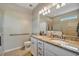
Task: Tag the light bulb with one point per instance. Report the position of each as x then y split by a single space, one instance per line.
43 13
48 11
58 6
45 8
40 12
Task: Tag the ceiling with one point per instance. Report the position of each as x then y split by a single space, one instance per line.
67 8
30 6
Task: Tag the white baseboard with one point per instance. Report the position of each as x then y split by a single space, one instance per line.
12 49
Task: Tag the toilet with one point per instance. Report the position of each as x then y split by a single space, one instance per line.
27 45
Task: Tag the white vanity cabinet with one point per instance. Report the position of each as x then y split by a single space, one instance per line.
34 46
41 48
51 50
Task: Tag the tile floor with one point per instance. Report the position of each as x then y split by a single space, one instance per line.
18 52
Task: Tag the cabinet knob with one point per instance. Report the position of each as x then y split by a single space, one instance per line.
39 54
32 42
39 43
39 48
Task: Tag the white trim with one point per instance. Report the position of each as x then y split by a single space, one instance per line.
12 49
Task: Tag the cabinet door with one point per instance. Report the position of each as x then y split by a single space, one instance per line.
40 53
34 46
34 41
40 43
57 50
48 53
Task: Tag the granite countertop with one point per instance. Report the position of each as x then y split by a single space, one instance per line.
72 45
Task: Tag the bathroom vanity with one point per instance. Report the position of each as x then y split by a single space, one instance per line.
44 46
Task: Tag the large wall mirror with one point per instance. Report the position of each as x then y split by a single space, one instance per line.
63 19
67 23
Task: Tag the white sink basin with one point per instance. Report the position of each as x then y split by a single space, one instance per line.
69 47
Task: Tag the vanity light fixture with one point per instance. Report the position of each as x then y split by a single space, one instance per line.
60 5
46 10
40 12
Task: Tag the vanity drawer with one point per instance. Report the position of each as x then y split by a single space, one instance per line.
40 53
40 43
